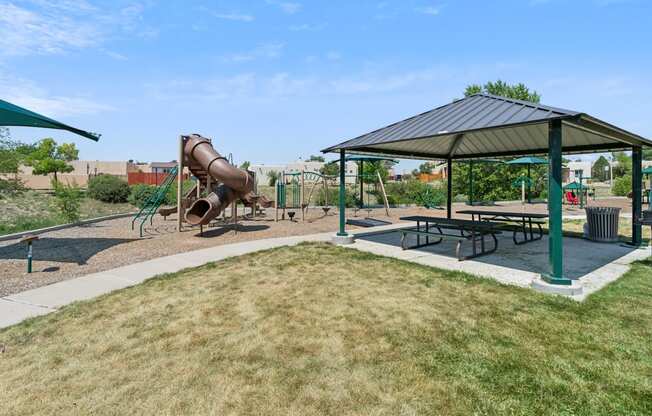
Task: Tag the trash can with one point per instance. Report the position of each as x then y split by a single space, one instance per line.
603 224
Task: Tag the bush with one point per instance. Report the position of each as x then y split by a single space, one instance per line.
108 188
140 193
334 197
413 191
622 185
11 186
67 200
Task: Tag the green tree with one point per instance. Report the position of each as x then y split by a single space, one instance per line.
48 157
623 165
426 167
515 91
272 177
598 171
67 200
316 158
245 165
330 169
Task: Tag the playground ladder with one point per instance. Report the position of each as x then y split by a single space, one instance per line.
152 203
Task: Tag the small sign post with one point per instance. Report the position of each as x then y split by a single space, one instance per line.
29 238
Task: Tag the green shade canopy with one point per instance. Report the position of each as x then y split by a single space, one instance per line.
12 115
647 171
528 160
575 186
522 179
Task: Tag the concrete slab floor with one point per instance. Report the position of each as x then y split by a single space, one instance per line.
592 265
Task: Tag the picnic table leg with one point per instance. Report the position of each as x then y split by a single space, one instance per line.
418 235
531 234
427 236
473 241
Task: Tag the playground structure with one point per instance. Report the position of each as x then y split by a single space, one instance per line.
290 193
218 185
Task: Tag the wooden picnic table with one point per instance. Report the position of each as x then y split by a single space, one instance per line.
434 230
523 220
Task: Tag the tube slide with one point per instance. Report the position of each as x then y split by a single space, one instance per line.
234 183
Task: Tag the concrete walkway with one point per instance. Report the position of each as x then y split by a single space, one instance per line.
18 307
43 300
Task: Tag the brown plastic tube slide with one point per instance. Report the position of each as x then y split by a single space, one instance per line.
234 183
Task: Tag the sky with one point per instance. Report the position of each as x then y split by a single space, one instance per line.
271 81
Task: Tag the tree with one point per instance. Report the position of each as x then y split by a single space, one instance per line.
272 177
48 157
426 167
316 158
330 169
516 91
647 153
623 166
245 165
598 171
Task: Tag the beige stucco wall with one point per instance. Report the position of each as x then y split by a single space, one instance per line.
82 170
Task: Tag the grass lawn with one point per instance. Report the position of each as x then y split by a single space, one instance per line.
30 210
317 329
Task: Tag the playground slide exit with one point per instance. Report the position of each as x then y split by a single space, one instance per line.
234 183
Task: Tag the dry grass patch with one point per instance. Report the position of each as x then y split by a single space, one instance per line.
317 329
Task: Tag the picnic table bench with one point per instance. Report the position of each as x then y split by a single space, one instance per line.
523 222
434 230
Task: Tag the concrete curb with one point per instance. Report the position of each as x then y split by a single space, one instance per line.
17 236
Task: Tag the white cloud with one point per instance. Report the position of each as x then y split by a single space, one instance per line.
115 55
27 94
307 27
266 51
249 86
286 6
54 27
239 17
429 10
23 32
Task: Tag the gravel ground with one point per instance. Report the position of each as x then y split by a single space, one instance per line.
77 251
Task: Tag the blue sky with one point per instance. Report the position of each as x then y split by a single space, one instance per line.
275 80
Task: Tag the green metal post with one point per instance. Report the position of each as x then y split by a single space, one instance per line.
361 184
637 184
555 236
581 192
449 187
471 182
529 188
342 231
29 257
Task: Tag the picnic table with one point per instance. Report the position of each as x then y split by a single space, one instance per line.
523 221
434 230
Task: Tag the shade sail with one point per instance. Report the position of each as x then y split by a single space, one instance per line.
575 186
484 125
13 115
529 160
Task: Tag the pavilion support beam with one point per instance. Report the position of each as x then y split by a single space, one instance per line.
637 200
555 235
449 187
342 202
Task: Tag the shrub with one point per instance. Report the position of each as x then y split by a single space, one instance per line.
140 193
412 191
11 186
623 185
334 197
67 200
108 188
